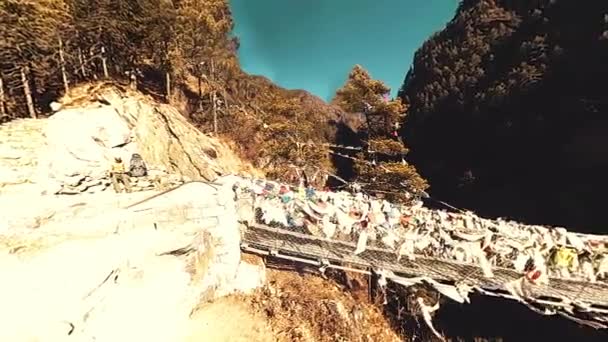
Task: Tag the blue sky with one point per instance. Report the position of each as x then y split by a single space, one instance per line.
312 44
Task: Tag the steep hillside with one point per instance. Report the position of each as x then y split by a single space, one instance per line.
181 52
80 262
70 152
507 110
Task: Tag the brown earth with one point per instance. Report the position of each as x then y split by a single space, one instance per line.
303 307
293 306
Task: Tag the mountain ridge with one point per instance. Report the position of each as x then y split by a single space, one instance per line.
506 111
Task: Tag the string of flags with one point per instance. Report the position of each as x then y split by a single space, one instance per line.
338 146
335 146
371 163
352 148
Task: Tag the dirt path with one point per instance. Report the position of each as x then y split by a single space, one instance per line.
229 319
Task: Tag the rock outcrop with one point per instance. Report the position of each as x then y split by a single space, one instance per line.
95 269
70 152
20 145
114 267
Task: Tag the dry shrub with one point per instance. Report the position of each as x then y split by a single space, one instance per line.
310 308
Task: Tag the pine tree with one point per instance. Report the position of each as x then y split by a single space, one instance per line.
201 32
159 21
114 26
289 142
31 34
381 165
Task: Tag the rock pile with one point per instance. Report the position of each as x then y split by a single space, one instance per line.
131 268
71 152
158 180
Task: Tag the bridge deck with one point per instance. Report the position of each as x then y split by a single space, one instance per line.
315 248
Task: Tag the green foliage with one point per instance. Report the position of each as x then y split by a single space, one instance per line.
504 93
394 180
387 146
359 89
169 36
361 93
185 50
290 141
29 38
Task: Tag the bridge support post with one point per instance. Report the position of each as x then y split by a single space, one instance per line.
370 285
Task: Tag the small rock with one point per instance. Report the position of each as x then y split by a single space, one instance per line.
93 182
156 173
56 106
74 180
174 179
96 188
66 190
145 184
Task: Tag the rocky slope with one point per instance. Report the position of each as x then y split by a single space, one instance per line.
71 151
507 107
106 266
79 262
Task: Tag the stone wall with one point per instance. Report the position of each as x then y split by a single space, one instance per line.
125 272
157 180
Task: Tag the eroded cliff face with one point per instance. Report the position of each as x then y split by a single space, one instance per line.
80 262
507 110
71 151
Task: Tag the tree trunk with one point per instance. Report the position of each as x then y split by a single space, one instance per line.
133 82
64 75
168 84
2 99
92 63
224 99
213 99
83 71
104 62
200 90
28 93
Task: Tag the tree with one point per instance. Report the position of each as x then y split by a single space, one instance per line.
287 142
31 32
380 166
159 20
48 45
114 26
201 31
201 36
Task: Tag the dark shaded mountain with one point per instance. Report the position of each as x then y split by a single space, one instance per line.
509 110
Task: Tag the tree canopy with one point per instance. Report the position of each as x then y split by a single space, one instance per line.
510 95
381 165
179 51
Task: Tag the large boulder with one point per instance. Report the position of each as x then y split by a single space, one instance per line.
83 137
127 269
82 142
